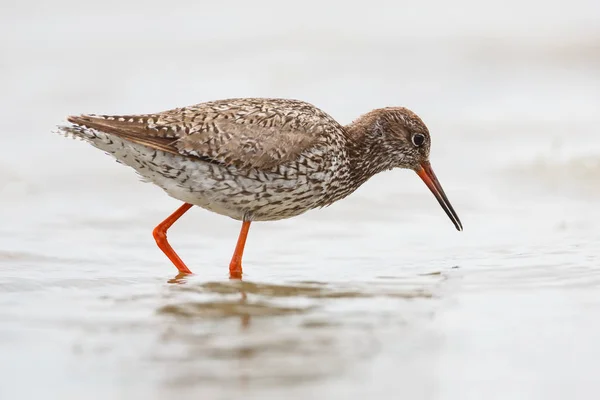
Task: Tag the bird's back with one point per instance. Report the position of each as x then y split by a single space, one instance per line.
247 133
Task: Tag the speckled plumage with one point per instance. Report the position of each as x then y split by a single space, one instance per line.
259 159
249 159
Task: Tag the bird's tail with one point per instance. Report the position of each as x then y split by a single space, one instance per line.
74 131
124 152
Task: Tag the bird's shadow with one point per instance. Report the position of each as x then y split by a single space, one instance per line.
215 299
182 278
276 322
237 298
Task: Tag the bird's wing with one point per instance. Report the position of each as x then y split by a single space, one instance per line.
246 133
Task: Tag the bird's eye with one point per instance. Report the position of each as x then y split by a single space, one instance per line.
418 139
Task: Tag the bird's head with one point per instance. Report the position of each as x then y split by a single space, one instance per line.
400 139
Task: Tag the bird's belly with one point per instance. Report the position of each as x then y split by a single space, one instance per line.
284 192
252 195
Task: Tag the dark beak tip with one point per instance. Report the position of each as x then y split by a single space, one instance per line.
458 224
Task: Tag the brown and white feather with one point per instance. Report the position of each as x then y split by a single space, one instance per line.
246 133
255 159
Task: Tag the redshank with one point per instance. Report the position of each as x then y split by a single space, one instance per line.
259 159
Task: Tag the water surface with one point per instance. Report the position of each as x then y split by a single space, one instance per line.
377 295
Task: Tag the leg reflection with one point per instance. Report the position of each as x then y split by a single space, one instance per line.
237 286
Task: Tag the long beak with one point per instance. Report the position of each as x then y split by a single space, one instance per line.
426 173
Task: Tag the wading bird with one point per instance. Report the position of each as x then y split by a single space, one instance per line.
259 159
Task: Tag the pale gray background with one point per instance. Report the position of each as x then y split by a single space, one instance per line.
511 93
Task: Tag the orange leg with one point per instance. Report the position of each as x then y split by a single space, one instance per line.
160 235
235 266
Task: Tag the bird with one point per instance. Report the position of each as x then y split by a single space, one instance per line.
259 159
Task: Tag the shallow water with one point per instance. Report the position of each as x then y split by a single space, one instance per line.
376 295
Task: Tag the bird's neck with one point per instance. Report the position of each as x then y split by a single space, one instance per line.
365 158
366 152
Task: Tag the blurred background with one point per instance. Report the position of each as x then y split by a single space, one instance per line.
376 295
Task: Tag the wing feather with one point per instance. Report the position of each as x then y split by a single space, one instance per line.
246 133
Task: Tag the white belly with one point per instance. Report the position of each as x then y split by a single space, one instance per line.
252 195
